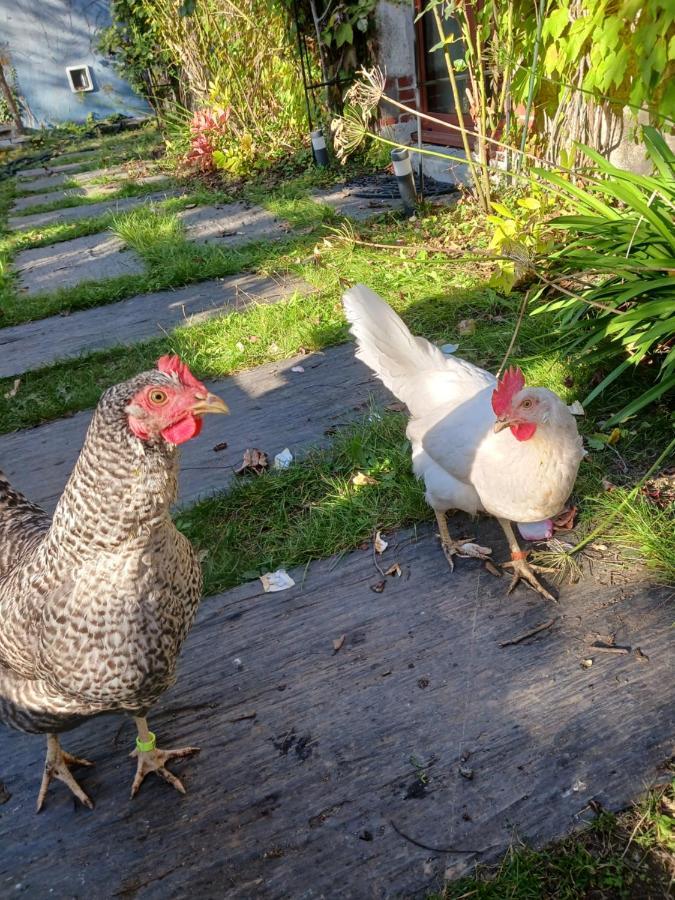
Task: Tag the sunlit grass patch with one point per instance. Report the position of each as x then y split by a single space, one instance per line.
310 510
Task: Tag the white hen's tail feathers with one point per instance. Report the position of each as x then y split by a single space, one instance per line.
411 367
386 345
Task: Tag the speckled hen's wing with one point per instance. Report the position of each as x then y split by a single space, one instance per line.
111 636
22 526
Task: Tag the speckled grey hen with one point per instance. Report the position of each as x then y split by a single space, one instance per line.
96 602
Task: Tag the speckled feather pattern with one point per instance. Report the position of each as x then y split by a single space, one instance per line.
95 605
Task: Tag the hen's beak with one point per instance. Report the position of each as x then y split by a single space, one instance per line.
210 404
500 425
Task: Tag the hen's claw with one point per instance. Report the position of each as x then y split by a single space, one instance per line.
524 571
57 765
155 761
464 548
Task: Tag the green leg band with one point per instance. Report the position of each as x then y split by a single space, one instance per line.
146 746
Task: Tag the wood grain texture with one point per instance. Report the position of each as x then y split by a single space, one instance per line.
271 408
92 258
307 755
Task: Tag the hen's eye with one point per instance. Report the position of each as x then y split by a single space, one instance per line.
526 404
158 397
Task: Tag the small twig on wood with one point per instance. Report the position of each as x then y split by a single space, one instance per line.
609 648
529 634
426 846
512 342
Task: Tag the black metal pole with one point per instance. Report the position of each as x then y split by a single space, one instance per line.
296 16
405 179
319 148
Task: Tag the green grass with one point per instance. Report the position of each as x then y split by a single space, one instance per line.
432 294
154 231
291 517
172 261
626 857
108 149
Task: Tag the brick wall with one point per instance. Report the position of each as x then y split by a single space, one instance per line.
399 88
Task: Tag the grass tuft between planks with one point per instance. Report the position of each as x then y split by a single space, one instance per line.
626 857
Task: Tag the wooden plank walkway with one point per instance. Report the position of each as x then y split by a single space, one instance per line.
39 343
91 258
313 761
271 408
88 210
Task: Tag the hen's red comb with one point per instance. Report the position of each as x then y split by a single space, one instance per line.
174 365
510 383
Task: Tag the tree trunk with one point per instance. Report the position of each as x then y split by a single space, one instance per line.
9 98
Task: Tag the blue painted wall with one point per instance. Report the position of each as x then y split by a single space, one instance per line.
39 38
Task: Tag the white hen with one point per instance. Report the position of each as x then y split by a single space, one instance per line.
480 445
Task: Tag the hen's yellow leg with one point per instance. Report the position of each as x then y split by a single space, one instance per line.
463 547
522 570
152 759
57 765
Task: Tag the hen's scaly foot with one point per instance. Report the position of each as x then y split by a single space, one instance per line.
524 571
57 765
155 761
464 548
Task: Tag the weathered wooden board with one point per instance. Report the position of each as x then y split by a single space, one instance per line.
271 408
345 200
231 224
46 169
310 758
88 210
88 188
91 258
36 344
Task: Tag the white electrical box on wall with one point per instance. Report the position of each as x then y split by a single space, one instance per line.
80 79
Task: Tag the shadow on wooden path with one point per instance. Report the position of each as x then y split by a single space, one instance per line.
313 761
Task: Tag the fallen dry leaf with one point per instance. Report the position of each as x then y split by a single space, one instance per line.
466 326
255 462
565 521
338 642
394 570
396 406
378 587
614 436
276 581
380 543
14 388
361 479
